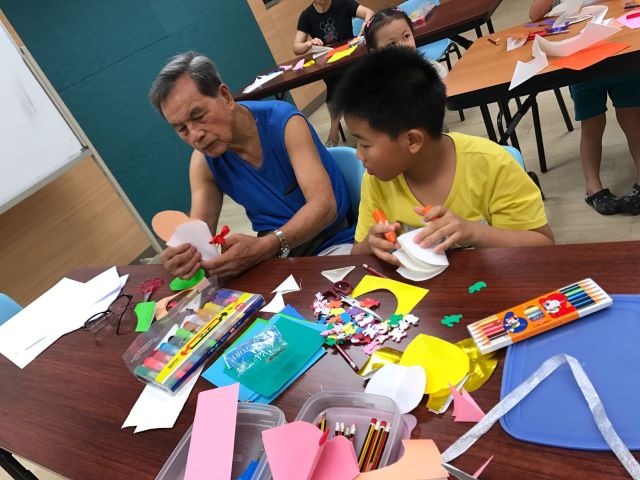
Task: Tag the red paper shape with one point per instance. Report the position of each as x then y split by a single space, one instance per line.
590 56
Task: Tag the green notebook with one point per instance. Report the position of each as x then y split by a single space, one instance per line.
268 377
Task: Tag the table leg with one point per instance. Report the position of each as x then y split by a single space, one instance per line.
14 468
563 109
488 123
504 107
538 130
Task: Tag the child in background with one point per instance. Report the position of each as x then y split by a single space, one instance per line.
392 27
327 22
590 102
393 102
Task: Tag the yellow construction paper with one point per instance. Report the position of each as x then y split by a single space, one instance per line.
378 359
407 295
309 63
480 366
421 460
345 53
443 362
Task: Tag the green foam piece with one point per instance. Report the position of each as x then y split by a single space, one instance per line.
268 377
449 320
394 320
178 284
144 313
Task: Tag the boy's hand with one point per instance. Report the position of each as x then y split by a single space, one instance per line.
379 245
444 226
315 41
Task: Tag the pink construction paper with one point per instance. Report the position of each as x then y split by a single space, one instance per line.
213 434
336 461
630 23
465 408
294 453
481 469
299 65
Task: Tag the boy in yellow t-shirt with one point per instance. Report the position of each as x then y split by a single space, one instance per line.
393 102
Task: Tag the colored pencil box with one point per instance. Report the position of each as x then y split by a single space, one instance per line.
539 315
175 346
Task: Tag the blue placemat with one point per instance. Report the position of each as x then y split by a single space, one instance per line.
607 345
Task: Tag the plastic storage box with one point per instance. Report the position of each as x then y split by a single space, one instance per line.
358 408
175 346
251 421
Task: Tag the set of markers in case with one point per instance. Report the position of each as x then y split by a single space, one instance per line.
175 346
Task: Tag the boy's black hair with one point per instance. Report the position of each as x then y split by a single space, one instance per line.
395 90
379 20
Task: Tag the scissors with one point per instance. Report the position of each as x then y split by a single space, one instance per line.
342 290
457 473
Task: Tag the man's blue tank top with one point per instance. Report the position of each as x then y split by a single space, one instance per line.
270 194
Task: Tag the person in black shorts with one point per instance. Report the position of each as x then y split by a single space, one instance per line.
327 22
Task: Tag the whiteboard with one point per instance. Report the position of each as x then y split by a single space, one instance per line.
36 142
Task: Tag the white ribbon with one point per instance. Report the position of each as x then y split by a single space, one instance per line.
591 396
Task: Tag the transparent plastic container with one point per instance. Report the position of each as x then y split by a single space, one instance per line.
252 419
358 408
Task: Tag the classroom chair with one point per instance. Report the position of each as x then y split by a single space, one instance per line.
8 308
352 171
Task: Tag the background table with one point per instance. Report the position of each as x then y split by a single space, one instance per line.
484 73
451 18
64 410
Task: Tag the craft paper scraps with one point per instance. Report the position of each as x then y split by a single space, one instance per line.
465 408
439 402
404 385
418 263
590 56
165 223
295 451
156 408
288 286
145 312
197 233
378 359
284 68
408 296
421 461
309 63
340 55
481 469
261 80
592 33
299 65
337 274
450 320
515 42
632 23
209 446
476 287
443 362
525 70
275 305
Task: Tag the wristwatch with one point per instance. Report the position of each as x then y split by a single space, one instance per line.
284 244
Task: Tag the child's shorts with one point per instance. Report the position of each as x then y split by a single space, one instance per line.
590 97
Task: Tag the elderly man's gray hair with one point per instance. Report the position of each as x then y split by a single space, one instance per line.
200 68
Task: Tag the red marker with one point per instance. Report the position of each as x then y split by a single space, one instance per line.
380 218
633 15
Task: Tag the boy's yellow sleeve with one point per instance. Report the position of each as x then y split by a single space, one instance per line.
369 201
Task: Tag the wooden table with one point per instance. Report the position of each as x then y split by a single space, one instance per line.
484 73
64 410
451 18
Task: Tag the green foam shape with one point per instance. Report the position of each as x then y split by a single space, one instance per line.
144 313
178 284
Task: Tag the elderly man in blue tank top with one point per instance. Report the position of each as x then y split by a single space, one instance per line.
265 156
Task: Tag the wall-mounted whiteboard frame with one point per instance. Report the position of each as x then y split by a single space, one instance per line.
74 148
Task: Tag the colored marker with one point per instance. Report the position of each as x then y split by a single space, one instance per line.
633 15
145 373
184 333
381 219
169 349
177 341
373 271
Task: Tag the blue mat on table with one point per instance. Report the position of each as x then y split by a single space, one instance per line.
607 345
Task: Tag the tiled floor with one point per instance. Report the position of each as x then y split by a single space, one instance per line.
571 219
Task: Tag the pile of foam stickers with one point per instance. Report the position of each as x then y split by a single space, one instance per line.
347 323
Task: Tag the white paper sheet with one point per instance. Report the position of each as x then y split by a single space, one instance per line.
157 409
196 233
288 286
515 42
261 80
60 310
275 305
404 385
337 274
424 255
592 33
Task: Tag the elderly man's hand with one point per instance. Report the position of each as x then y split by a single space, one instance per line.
182 261
241 252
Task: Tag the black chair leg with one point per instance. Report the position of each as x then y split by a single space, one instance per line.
342 135
448 60
14 468
478 32
490 26
563 109
461 113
